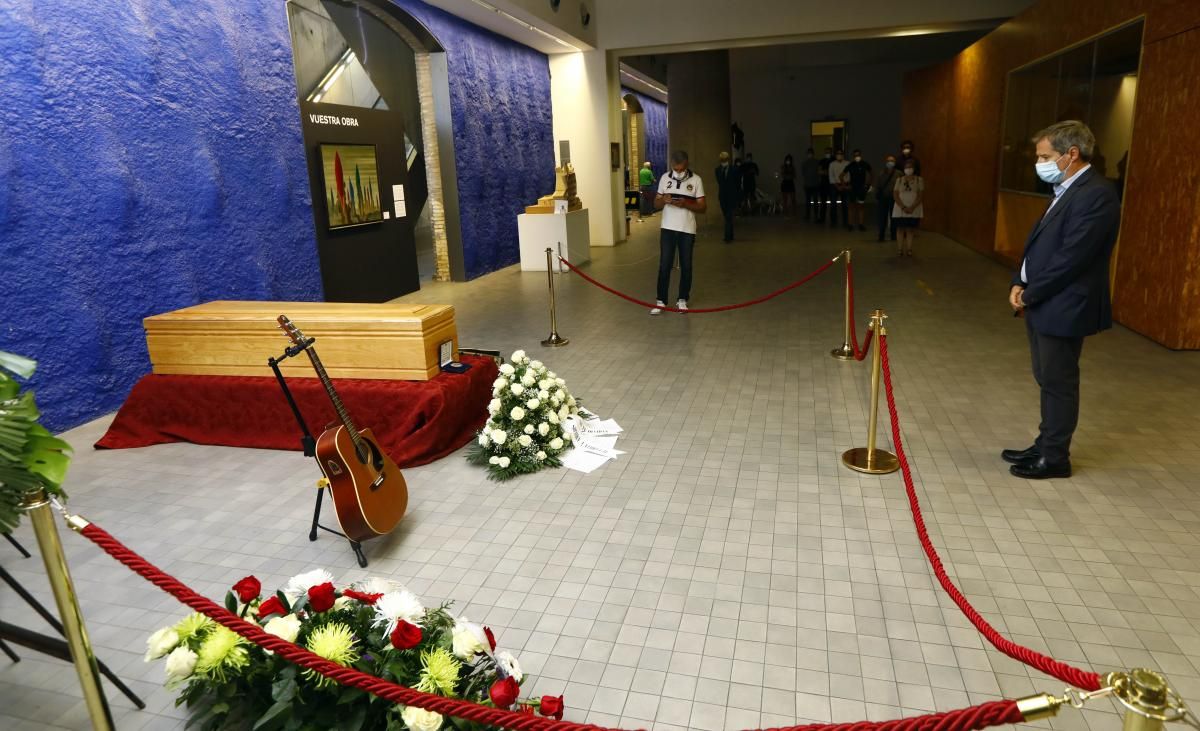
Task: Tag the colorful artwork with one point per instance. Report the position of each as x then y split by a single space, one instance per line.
351 184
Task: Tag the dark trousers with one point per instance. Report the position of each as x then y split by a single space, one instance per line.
1056 370
839 199
728 210
646 201
812 203
884 215
669 241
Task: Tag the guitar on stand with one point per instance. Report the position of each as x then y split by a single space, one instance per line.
368 490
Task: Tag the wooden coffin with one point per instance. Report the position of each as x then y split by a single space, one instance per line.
386 341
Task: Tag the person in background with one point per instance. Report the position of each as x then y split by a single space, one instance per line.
787 185
680 197
729 193
646 186
859 173
907 152
824 189
749 182
811 174
1062 288
907 211
885 184
839 184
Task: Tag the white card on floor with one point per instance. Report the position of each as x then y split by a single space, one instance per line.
582 461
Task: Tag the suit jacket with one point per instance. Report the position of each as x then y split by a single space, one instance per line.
729 185
1066 259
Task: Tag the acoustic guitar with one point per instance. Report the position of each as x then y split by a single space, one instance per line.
369 493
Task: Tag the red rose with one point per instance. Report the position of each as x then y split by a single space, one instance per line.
406 635
491 637
271 606
527 710
321 597
504 692
247 589
368 599
552 705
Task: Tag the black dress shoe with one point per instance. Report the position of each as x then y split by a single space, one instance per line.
1021 456
1040 470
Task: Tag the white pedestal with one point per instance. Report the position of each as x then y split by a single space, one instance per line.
565 233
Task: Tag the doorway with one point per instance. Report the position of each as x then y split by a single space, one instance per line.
829 133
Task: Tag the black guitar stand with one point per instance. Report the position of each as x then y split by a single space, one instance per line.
45 644
309 444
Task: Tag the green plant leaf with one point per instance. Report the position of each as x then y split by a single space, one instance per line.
50 466
18 364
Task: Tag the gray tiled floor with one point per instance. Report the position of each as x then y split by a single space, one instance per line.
727 572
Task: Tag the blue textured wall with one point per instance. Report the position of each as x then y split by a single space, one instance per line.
503 133
150 159
656 129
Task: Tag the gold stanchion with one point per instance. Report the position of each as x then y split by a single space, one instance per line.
1149 700
871 460
846 352
555 340
37 506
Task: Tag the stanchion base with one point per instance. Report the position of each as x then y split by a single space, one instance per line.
555 341
880 462
843 353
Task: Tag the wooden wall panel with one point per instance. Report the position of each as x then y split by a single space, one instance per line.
1016 214
954 112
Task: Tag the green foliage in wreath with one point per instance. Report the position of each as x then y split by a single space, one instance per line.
30 456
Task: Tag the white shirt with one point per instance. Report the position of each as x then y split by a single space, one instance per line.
836 168
676 218
1059 189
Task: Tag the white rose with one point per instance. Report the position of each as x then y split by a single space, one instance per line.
468 639
509 665
419 719
181 663
533 403
499 436
566 437
529 428
571 401
544 395
564 412
507 369
518 356
535 364
551 375
493 460
544 384
500 383
561 383
344 602
540 455
552 418
543 428
517 413
160 643
517 389
493 406
556 443
528 381
524 440
286 627
483 439
504 463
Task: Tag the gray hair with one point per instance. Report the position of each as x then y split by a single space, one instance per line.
1065 135
679 157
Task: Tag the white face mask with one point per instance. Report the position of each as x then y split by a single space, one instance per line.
890 163
1049 172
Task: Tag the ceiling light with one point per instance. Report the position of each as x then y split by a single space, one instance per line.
488 6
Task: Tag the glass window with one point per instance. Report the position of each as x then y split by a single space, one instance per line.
1094 82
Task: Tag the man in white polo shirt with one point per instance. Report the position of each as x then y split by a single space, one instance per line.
680 197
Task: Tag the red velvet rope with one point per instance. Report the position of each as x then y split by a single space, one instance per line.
866 345
700 310
1064 672
984 715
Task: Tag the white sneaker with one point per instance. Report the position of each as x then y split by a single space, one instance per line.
657 309
681 305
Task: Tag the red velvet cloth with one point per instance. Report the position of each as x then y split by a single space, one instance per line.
416 422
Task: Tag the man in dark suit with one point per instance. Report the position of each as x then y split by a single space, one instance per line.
1062 288
729 192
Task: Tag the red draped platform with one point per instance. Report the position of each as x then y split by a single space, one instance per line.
416 422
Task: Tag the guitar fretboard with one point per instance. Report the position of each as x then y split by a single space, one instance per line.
338 406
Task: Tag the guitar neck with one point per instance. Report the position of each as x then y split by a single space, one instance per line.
338 406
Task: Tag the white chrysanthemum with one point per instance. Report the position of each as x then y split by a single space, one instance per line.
500 383
493 459
540 455
556 443
499 436
517 413
507 369
469 639
396 605
543 428
484 440
525 440
299 584
518 356
533 403
517 389
509 665
376 585
529 429
504 463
